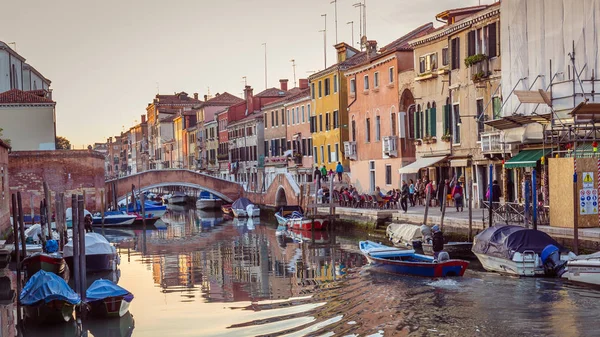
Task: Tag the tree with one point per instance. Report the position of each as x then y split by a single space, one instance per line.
6 140
62 143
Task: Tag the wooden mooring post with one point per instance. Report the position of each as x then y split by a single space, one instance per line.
82 263
21 226
15 224
444 201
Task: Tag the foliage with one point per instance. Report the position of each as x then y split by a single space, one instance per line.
447 137
6 140
473 59
62 143
478 76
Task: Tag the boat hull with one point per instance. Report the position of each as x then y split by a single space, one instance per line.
116 306
241 213
96 263
45 262
125 220
528 267
454 249
308 224
440 269
584 271
178 200
52 312
208 203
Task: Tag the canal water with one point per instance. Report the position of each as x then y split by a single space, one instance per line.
198 274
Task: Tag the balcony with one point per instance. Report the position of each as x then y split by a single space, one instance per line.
350 150
480 67
491 142
390 146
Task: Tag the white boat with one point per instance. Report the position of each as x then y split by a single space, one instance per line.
584 269
100 255
208 201
403 233
520 251
178 198
243 208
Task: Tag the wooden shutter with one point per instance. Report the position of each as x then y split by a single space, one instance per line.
445 124
416 119
471 43
432 122
492 48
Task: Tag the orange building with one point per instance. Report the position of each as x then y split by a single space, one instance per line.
380 96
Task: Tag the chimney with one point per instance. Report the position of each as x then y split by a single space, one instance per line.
143 118
196 95
341 52
283 84
303 83
249 99
371 48
205 98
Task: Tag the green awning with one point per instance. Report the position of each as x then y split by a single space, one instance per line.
526 158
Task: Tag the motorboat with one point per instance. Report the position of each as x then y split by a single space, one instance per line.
114 218
49 260
107 299
100 255
151 209
69 216
178 198
227 209
208 200
409 235
243 208
293 217
519 251
394 260
48 298
584 269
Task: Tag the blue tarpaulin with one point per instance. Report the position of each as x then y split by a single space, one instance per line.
102 289
241 203
207 195
47 287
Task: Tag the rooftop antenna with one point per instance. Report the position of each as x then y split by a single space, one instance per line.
265 44
334 2
325 39
294 68
351 23
245 80
360 18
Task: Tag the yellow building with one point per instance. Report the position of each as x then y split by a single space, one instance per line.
329 122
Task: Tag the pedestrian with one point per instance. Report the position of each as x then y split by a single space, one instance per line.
331 175
87 220
411 193
324 173
404 193
320 195
339 169
496 194
442 193
429 191
437 241
420 191
457 196
317 177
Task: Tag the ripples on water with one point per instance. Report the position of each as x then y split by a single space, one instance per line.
201 275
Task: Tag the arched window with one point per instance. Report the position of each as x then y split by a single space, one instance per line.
353 129
393 121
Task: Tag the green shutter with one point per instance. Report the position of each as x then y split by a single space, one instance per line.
432 122
427 131
445 121
416 121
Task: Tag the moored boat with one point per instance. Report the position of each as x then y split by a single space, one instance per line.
519 251
107 299
584 269
208 201
394 260
151 209
47 298
293 217
243 207
178 198
227 209
50 261
114 218
454 249
100 255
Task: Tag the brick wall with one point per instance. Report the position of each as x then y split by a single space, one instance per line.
67 171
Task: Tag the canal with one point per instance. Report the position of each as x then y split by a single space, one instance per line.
200 275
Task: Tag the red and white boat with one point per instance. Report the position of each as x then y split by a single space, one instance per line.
293 217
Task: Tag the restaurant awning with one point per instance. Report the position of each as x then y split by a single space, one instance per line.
419 164
526 158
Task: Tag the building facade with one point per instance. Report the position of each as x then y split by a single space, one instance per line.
16 74
299 136
211 146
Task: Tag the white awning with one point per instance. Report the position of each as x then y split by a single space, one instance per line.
459 163
419 164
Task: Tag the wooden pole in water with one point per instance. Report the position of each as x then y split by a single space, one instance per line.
143 205
102 206
133 199
82 262
427 200
75 228
31 208
43 223
444 201
15 224
470 209
48 206
21 226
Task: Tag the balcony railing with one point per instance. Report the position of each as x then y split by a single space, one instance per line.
390 146
480 70
350 150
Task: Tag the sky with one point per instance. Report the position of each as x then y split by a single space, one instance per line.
108 59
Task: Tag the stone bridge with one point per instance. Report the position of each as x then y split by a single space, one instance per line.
147 180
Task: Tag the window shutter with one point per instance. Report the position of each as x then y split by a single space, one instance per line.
445 120
432 123
492 50
471 43
427 131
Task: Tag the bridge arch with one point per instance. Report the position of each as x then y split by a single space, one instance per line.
280 197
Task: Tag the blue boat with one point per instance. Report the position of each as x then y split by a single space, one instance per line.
151 209
108 299
208 200
114 218
48 298
407 262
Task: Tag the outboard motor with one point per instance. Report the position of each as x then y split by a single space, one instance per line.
553 266
417 244
443 256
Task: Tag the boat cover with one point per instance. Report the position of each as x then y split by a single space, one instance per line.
504 241
47 287
595 256
95 244
69 213
102 289
403 232
241 203
208 195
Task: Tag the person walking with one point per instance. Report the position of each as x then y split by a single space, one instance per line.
339 169
324 173
437 241
496 194
411 193
404 193
457 196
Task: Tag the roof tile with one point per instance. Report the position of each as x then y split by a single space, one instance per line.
18 96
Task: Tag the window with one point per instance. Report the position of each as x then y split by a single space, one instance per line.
304 148
329 153
288 115
447 121
411 122
282 117
393 121
313 124
376 80
272 119
297 115
322 154
456 124
312 90
327 87
391 74
368 130
308 109
366 82
377 128
480 118
335 84
492 40
445 56
431 121
320 123
309 147
428 63
303 116
293 117
388 174
315 154
266 121
320 90
276 118
336 122
455 50
353 86
337 151
497 107
284 145
327 122
353 130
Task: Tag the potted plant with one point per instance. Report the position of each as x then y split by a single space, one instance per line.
474 59
418 142
447 138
